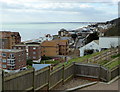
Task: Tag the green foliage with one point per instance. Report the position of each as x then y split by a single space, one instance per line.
113 64
49 62
91 37
103 62
29 66
114 31
74 36
29 62
46 58
118 55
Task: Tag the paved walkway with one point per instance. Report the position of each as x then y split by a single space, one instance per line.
102 86
72 83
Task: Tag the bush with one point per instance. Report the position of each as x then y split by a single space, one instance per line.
46 58
29 62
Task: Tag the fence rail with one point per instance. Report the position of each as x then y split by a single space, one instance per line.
37 80
96 71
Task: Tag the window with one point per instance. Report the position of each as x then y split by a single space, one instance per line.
14 48
3 54
34 52
4 60
34 48
4 66
11 55
34 57
19 48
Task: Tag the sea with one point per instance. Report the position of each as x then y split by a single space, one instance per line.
30 31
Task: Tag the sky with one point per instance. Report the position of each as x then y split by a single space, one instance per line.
57 10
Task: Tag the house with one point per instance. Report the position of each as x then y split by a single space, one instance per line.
108 42
63 33
10 39
11 59
94 46
33 50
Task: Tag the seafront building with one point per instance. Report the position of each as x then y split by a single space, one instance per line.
33 50
55 47
11 59
49 48
9 39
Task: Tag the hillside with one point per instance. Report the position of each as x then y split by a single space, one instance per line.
114 31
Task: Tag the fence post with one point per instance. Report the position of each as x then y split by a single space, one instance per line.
2 81
48 79
109 75
33 80
63 74
99 72
74 69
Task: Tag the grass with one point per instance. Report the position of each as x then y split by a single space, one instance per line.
29 66
103 62
79 59
113 64
118 55
82 59
49 62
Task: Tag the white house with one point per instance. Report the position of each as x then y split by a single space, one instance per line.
94 45
108 42
102 43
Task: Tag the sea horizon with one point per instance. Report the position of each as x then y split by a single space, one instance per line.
33 30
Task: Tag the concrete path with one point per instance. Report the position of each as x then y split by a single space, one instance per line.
103 86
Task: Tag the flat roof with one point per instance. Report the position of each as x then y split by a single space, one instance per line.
40 66
10 50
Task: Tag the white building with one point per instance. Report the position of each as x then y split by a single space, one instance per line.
94 45
101 44
108 42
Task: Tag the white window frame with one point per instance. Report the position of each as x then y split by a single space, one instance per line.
34 57
34 52
4 60
4 66
34 48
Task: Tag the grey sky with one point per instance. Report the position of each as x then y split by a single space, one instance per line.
58 11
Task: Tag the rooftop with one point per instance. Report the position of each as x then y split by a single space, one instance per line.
96 41
40 66
10 50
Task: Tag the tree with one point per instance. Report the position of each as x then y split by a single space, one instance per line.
74 36
29 62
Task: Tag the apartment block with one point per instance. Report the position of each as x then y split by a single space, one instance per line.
10 39
33 50
49 48
63 46
55 47
11 59
4 43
